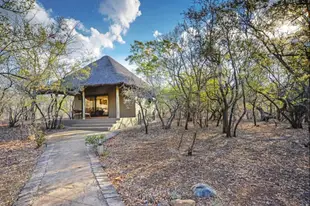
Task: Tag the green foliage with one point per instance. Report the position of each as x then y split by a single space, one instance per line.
61 126
94 140
41 52
40 138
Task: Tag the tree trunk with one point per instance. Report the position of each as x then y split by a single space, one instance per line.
230 122
194 119
139 117
278 115
237 124
190 150
159 115
33 108
207 119
218 121
225 120
170 119
254 116
181 140
244 111
253 111
200 122
187 120
270 108
179 119
144 117
146 128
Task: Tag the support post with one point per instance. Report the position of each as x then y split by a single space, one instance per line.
83 103
117 103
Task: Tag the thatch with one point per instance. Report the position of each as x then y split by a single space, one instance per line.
107 71
104 71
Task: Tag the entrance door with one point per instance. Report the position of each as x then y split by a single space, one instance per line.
102 108
97 106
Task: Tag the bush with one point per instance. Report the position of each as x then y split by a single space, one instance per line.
40 138
37 135
61 126
94 140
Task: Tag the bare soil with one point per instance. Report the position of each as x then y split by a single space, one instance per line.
17 160
264 165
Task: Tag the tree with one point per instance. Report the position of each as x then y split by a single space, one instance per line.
142 96
186 70
45 68
230 55
147 57
35 61
281 30
222 45
11 35
252 30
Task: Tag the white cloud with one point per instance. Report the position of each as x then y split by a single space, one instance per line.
121 13
156 34
73 23
116 30
38 15
91 41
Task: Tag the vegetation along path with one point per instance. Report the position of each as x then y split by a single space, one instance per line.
68 174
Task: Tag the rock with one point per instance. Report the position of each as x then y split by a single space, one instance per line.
179 202
203 190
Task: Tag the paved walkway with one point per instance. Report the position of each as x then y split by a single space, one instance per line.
67 174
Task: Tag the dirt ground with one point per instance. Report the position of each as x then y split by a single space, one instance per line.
17 160
264 165
14 133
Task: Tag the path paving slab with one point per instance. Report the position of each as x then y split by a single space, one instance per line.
66 174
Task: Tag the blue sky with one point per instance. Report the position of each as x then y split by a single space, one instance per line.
138 20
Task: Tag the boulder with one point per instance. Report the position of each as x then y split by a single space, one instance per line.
203 190
179 202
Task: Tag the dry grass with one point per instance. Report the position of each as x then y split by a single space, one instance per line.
17 160
262 166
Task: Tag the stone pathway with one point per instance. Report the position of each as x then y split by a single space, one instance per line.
67 173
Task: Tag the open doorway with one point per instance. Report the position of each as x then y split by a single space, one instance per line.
97 106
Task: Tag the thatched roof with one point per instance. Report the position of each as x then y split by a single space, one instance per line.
104 71
107 71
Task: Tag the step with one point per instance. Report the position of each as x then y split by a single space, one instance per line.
90 128
78 121
93 124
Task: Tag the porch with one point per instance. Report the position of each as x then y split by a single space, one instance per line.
102 101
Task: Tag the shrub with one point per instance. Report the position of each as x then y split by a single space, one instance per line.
94 140
40 138
37 135
61 126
